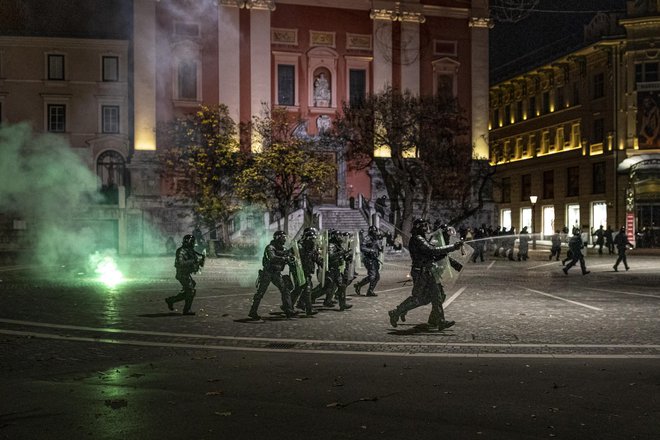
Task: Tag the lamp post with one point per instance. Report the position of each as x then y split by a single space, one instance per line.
533 199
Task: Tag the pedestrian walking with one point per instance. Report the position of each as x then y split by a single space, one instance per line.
426 289
479 244
371 248
600 239
622 243
523 244
575 245
609 240
186 262
275 258
555 248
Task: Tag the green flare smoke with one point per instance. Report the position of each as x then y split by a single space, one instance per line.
44 183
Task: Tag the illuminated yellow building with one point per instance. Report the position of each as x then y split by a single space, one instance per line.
581 132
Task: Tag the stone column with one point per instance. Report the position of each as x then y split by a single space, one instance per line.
229 60
144 74
410 53
382 64
479 24
260 57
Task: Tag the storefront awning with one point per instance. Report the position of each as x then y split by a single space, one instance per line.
646 162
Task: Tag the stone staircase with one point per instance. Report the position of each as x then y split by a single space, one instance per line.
343 219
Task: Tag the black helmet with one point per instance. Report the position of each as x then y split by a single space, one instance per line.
188 241
373 230
623 229
310 233
334 235
419 225
279 236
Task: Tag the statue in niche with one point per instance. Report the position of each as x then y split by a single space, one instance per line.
321 91
323 124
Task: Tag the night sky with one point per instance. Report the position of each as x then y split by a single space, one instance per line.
554 24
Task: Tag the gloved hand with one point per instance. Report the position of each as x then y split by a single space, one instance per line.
458 245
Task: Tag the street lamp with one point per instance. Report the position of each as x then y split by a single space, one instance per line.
533 199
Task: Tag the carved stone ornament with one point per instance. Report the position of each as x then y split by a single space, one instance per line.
481 22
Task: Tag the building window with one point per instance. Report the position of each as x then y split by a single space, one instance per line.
357 80
646 72
559 98
546 102
507 114
110 118
572 181
519 111
505 218
549 184
496 118
187 80
599 131
531 109
110 68
598 177
56 67
286 84
110 168
525 187
599 85
506 190
576 93
56 118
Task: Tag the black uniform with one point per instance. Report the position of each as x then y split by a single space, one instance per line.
425 287
335 278
186 262
600 239
274 259
622 243
310 257
479 244
523 245
555 250
575 245
609 240
371 247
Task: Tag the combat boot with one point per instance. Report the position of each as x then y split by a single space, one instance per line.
170 303
394 317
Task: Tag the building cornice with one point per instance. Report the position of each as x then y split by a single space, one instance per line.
367 5
67 43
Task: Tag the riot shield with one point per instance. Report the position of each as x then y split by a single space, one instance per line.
299 277
323 248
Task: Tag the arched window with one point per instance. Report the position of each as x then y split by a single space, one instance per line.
111 169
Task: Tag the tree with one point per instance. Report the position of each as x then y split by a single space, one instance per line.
201 149
429 159
287 167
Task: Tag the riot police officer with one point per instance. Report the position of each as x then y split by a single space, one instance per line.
426 289
186 262
310 258
371 247
575 246
275 258
335 282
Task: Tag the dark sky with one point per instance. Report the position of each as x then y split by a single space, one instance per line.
557 23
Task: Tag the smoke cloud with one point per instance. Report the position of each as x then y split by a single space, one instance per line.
44 186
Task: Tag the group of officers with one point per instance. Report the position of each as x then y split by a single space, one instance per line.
334 258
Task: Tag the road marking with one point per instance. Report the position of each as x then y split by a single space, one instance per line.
453 297
490 265
542 265
223 296
349 352
397 288
625 293
564 299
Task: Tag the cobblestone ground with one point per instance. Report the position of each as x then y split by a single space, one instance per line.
534 354
500 307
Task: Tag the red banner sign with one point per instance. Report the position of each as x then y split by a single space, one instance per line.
630 227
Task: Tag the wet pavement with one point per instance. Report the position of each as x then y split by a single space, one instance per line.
62 332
